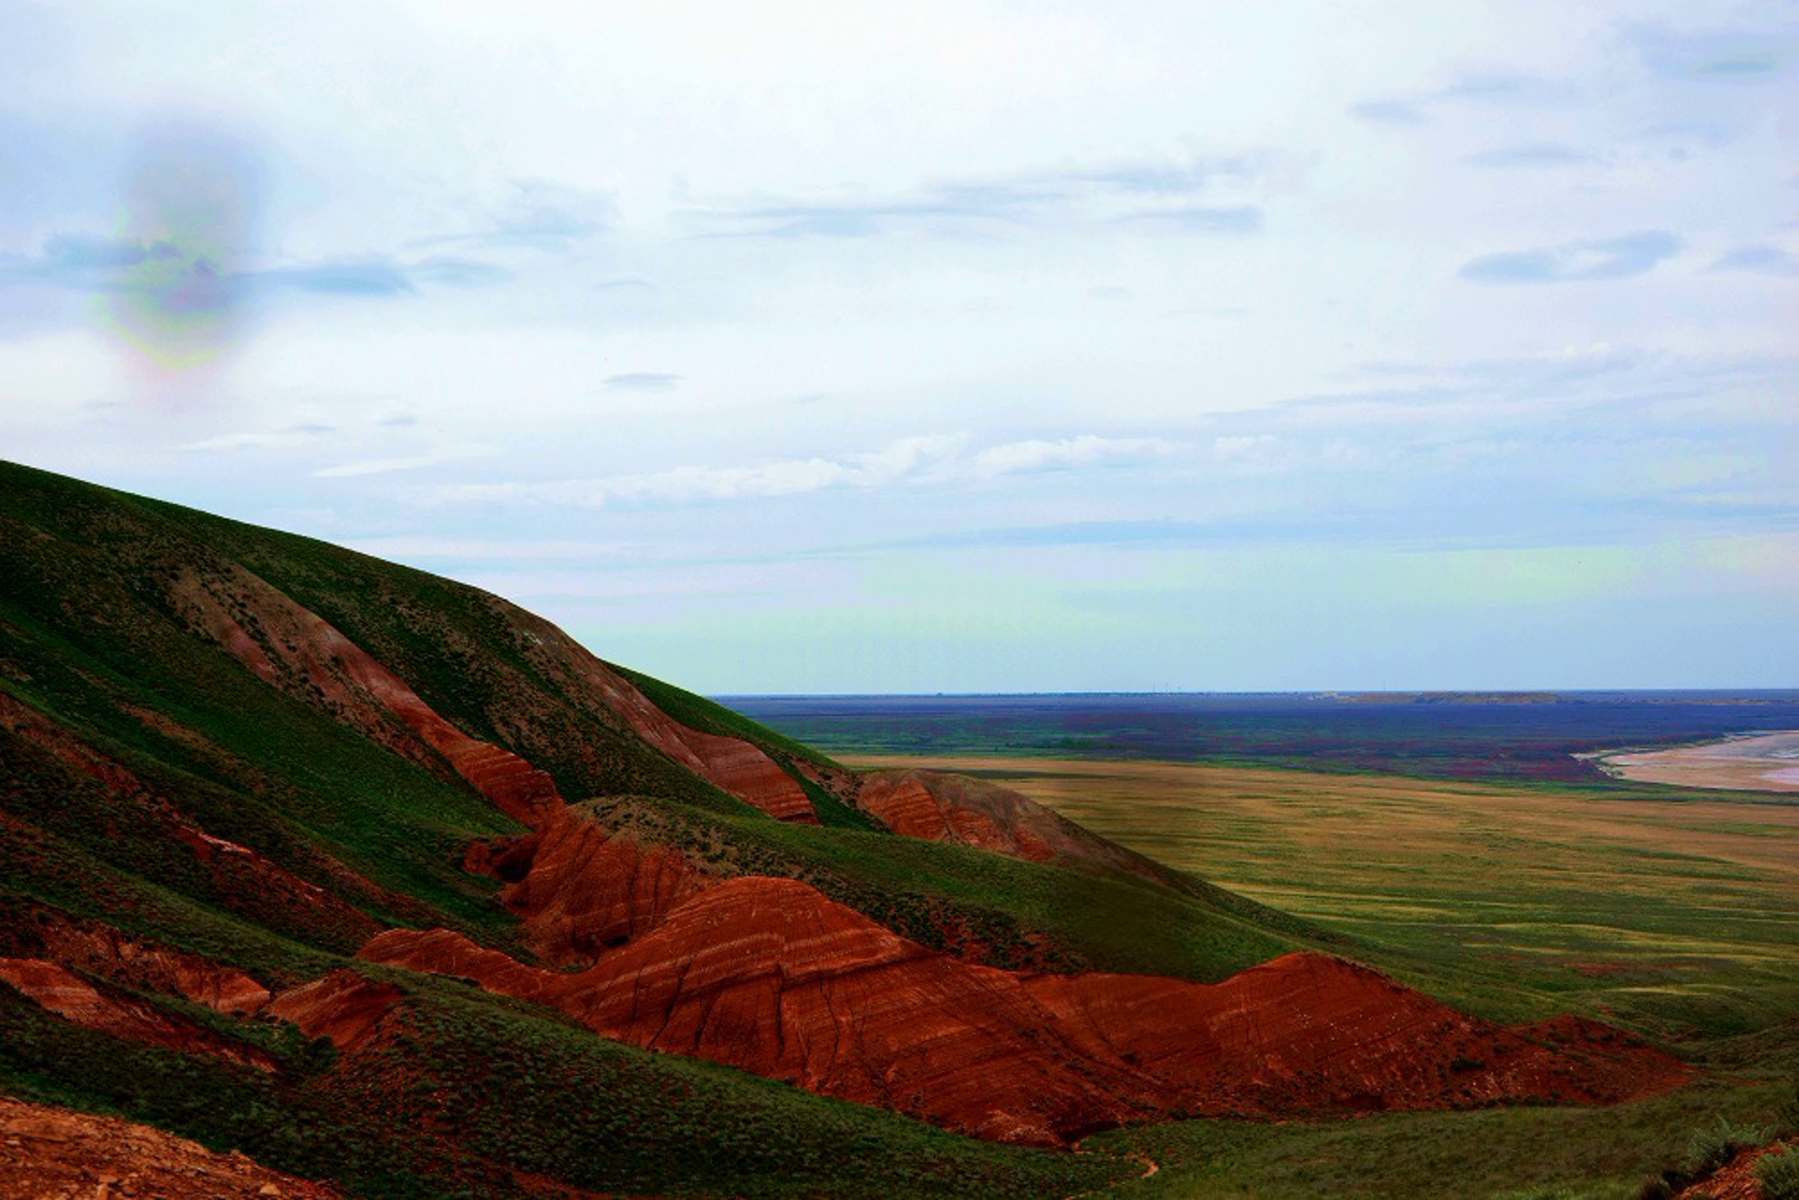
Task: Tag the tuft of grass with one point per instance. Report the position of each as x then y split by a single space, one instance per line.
1778 1173
1711 1146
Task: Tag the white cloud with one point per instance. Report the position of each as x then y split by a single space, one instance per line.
407 462
906 461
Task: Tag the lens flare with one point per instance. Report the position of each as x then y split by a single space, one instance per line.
189 198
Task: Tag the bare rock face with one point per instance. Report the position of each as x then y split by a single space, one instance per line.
58 990
732 764
301 652
49 1153
101 950
945 807
771 976
586 890
342 1006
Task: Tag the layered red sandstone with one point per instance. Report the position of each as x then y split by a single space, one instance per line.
58 990
771 976
341 1005
586 890
99 949
944 807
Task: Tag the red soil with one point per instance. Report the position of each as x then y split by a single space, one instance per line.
944 807
302 652
340 1005
771 976
734 765
246 880
907 803
1736 1179
59 990
101 950
51 1153
312 655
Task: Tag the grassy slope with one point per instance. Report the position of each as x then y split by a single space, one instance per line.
1522 1153
88 641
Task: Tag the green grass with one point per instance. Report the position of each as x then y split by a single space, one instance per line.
1023 913
1590 1153
471 1088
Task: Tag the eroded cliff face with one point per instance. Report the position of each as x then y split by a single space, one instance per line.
49 1153
100 950
580 889
945 807
61 991
771 976
292 648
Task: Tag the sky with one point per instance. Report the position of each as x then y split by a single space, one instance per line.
951 347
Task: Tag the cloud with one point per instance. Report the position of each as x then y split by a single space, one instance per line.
938 459
1541 155
1087 450
195 282
365 277
422 546
973 204
1389 112
643 381
537 214
1759 260
458 272
1605 258
412 462
1239 219
1416 108
1717 56
293 435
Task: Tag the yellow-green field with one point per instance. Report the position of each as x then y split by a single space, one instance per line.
1680 915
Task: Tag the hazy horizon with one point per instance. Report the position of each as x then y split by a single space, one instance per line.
970 348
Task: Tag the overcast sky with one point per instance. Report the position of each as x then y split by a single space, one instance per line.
951 346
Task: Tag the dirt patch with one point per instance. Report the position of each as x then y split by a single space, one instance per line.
49 1153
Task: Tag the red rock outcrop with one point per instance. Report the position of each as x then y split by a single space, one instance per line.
771 976
944 807
245 879
298 650
101 950
340 1005
734 765
927 805
59 990
49 1153
310 655
586 889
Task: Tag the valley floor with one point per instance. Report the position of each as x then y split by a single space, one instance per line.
1676 913
1679 913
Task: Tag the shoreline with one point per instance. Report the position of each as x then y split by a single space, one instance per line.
1759 762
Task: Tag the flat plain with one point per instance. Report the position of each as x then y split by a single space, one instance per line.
1677 911
1669 910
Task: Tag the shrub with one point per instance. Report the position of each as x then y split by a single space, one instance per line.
1779 1174
1713 1146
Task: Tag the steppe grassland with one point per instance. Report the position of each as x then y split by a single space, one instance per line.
1677 911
